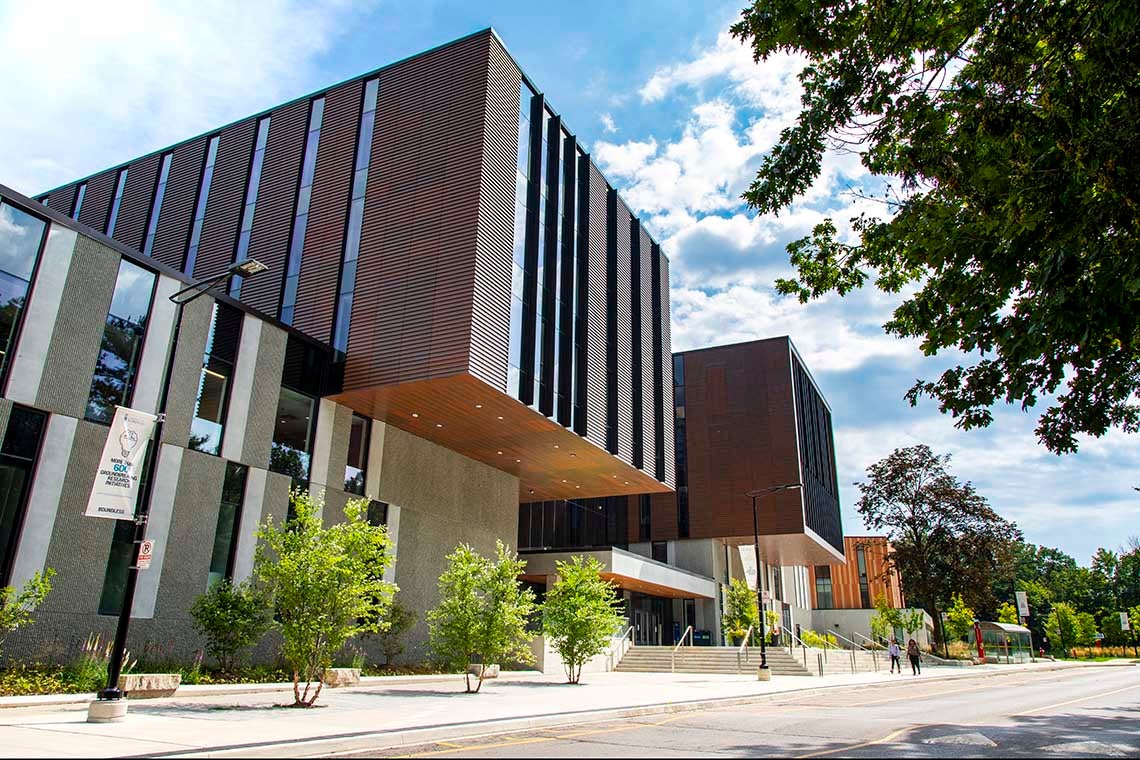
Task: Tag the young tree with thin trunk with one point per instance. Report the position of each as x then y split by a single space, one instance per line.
580 614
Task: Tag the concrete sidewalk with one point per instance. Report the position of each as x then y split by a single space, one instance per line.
405 713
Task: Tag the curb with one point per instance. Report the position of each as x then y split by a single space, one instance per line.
355 742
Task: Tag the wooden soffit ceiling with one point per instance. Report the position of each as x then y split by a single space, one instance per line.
468 416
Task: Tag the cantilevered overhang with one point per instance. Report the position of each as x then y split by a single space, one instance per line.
464 414
805 548
629 571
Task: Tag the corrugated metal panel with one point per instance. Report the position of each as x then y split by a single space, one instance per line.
97 201
648 419
276 200
130 228
227 198
492 297
173 232
597 296
667 376
412 310
328 211
61 199
624 313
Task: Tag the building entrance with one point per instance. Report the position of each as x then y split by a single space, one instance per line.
652 619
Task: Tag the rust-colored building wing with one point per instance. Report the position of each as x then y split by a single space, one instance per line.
857 581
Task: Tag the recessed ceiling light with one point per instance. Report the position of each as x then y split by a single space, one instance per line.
556 445
439 424
580 487
563 480
500 416
627 482
498 452
531 491
518 460
478 406
573 454
414 414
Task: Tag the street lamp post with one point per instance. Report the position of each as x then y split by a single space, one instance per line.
244 268
763 673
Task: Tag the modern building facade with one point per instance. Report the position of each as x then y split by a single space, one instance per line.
460 314
747 417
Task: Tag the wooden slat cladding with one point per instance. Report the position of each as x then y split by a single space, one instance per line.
667 420
276 200
138 195
97 200
173 232
226 200
597 296
741 435
328 211
845 575
648 421
490 329
663 517
624 312
61 200
412 312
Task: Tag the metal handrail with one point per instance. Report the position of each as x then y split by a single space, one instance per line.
688 634
743 648
626 634
854 644
794 639
872 642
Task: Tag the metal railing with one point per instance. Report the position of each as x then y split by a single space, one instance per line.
874 644
857 647
688 634
618 643
743 648
793 642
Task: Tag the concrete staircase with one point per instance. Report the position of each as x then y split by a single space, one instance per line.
840 661
648 659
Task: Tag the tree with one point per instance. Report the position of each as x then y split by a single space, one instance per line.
945 538
1086 629
326 584
1007 136
959 619
580 614
17 608
232 617
1061 625
390 639
886 618
740 610
1007 613
913 620
482 612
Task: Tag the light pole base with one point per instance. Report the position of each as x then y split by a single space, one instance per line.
763 674
106 710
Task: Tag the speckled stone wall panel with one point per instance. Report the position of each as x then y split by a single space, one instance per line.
70 361
187 374
263 398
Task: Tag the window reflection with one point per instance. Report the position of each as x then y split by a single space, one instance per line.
214 382
229 516
357 455
21 236
292 435
117 365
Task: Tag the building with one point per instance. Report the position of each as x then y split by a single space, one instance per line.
844 593
747 417
460 314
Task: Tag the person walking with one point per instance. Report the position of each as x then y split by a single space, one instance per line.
913 653
894 652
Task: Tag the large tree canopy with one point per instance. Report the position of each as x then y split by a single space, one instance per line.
1009 129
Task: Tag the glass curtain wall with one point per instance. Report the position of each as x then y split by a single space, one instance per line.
208 425
200 205
18 456
120 183
229 517
21 240
156 207
250 207
121 347
518 266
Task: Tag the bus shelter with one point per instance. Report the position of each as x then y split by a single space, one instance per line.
1005 642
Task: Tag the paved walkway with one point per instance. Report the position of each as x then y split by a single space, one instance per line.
411 712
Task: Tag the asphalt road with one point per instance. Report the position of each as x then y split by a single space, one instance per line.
1093 712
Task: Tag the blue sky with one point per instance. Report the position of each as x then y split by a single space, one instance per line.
674 111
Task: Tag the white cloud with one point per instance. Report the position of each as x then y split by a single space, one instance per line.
608 123
98 83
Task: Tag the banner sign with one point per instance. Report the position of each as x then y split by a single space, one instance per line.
116 487
1124 626
1022 603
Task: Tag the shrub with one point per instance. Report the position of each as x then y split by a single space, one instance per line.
817 641
580 614
232 617
17 608
959 619
482 612
89 670
326 585
390 641
739 610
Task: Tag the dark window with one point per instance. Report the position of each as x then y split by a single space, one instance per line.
250 201
823 596
156 206
355 218
682 511
518 265
357 454
17 465
229 517
80 194
119 352
643 517
120 183
200 206
119 558
301 215
293 434
377 513
208 426
864 586
21 239
660 551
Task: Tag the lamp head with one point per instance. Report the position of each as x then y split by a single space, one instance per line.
248 268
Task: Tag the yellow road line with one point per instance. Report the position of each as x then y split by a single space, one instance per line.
473 747
1075 701
850 747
